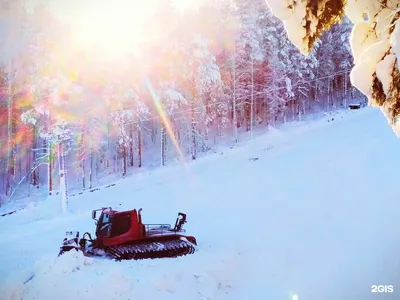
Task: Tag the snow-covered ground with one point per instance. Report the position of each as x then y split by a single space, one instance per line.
317 216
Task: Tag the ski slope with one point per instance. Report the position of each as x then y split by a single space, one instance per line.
316 216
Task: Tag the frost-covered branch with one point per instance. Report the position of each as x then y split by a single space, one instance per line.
375 42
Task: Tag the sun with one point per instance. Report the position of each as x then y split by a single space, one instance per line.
111 29
184 5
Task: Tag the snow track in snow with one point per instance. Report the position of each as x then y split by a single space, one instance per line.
317 215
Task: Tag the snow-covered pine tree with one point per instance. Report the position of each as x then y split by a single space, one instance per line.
120 119
141 113
199 74
48 116
342 57
169 101
15 36
250 46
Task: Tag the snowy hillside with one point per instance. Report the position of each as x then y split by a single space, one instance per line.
311 210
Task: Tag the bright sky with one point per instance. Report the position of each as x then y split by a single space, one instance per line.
68 9
113 26
71 8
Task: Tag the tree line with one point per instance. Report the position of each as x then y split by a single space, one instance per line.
207 76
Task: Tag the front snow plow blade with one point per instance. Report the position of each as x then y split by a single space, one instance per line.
70 242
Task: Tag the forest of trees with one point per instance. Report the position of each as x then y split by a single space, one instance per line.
203 77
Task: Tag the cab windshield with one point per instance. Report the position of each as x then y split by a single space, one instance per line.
104 226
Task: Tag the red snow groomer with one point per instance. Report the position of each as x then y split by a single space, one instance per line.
122 236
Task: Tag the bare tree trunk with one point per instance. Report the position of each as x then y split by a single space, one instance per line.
91 168
299 109
154 131
108 151
252 99
18 159
163 146
207 123
193 129
293 105
9 150
334 93
328 96
177 132
139 136
34 180
266 108
139 143
234 121
316 88
345 90
50 167
284 112
82 159
63 179
124 159
28 163
131 161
